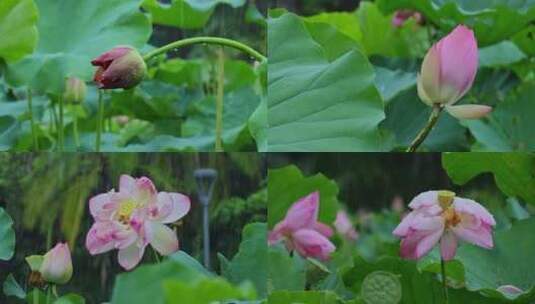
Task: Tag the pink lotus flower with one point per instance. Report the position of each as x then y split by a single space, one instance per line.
448 72
134 217
440 216
401 16
57 265
344 226
301 231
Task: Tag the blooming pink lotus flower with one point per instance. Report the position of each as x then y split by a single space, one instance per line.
440 216
134 217
344 226
401 16
120 68
448 72
57 265
301 231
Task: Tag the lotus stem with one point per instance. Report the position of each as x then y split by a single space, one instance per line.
206 40
444 283
219 100
433 119
32 122
61 132
100 116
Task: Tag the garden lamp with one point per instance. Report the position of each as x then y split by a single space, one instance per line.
205 179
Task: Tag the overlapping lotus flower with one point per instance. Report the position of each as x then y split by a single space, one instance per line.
132 218
301 231
441 217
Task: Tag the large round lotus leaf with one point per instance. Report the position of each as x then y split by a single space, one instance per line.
189 14
510 126
18 33
321 91
71 33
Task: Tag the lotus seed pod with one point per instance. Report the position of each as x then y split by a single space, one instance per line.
381 287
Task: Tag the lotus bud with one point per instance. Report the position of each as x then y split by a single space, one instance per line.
75 90
449 68
401 16
120 68
448 72
57 265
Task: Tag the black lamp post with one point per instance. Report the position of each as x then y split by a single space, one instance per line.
205 179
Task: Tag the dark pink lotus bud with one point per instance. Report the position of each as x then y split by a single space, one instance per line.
403 15
120 68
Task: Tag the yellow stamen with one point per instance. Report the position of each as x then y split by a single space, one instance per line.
451 217
125 211
445 198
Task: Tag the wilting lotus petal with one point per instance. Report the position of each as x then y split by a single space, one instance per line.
469 111
439 216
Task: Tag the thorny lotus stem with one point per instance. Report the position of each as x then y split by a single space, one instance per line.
99 120
219 101
32 122
206 40
435 114
61 126
444 283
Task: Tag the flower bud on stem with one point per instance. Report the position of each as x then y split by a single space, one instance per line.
433 119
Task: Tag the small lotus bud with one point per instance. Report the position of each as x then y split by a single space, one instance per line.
401 16
120 68
449 68
75 90
57 265
121 120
